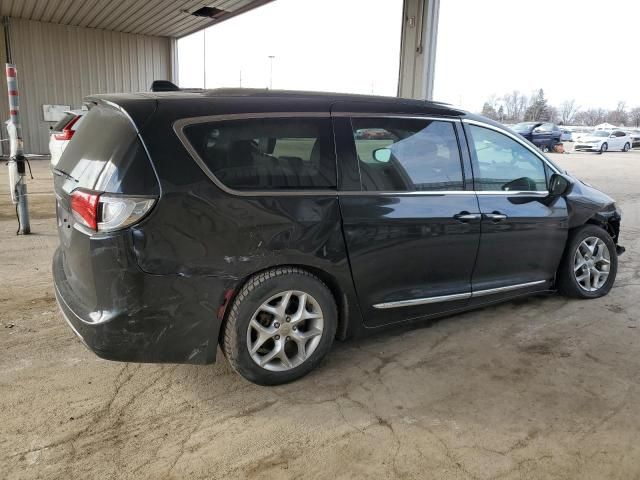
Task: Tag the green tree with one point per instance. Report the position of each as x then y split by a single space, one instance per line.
538 110
489 111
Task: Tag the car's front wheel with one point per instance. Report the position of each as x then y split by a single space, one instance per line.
589 265
604 148
281 324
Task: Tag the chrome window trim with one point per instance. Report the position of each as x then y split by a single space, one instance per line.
456 296
431 193
180 125
513 137
394 115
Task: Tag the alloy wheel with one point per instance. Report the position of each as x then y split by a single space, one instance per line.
591 264
285 330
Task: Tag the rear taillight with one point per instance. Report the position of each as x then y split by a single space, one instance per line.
105 212
84 206
67 132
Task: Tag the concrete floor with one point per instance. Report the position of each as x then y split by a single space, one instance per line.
539 388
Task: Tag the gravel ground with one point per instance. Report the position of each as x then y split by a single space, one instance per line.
539 388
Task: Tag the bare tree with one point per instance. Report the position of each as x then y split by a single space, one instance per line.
591 117
634 116
619 115
567 112
515 105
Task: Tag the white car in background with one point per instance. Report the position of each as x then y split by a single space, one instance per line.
62 132
576 134
604 140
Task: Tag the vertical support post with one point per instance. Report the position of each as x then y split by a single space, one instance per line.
16 162
418 48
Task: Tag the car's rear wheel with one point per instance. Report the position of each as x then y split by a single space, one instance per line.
281 324
626 147
604 148
589 265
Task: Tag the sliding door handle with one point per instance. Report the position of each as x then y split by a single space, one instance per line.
495 216
467 217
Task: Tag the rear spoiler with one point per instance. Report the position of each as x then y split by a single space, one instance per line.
167 86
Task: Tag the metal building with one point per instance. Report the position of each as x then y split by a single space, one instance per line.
67 49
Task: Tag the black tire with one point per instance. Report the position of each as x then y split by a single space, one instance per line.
257 290
566 280
626 147
604 148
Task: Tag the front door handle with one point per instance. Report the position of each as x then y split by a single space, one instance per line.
466 216
495 216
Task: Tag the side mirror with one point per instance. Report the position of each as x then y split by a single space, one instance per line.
612 135
559 185
382 155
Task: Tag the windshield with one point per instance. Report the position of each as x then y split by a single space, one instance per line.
600 134
524 126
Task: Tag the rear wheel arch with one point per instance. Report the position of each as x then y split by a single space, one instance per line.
329 280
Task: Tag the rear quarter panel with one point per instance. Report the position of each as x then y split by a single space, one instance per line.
196 229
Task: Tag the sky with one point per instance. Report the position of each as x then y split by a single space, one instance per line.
584 50
324 45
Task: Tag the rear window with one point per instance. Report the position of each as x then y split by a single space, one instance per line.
105 154
267 154
63 122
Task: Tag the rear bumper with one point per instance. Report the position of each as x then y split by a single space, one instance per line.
171 319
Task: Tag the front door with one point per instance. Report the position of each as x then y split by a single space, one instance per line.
523 232
412 228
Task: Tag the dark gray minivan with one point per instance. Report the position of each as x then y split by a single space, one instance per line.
271 223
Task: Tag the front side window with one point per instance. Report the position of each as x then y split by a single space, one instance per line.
267 153
501 163
404 155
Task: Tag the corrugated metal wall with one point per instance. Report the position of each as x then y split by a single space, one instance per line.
60 65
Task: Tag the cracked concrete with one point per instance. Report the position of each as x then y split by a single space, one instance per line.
543 387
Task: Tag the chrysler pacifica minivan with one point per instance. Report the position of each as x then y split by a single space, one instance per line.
271 223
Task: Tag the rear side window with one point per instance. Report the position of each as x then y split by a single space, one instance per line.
268 153
404 155
105 154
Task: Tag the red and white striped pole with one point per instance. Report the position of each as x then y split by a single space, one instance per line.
16 162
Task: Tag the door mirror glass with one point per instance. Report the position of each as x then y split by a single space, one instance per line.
559 185
382 155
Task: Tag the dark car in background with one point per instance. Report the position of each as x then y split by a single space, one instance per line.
543 135
271 223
